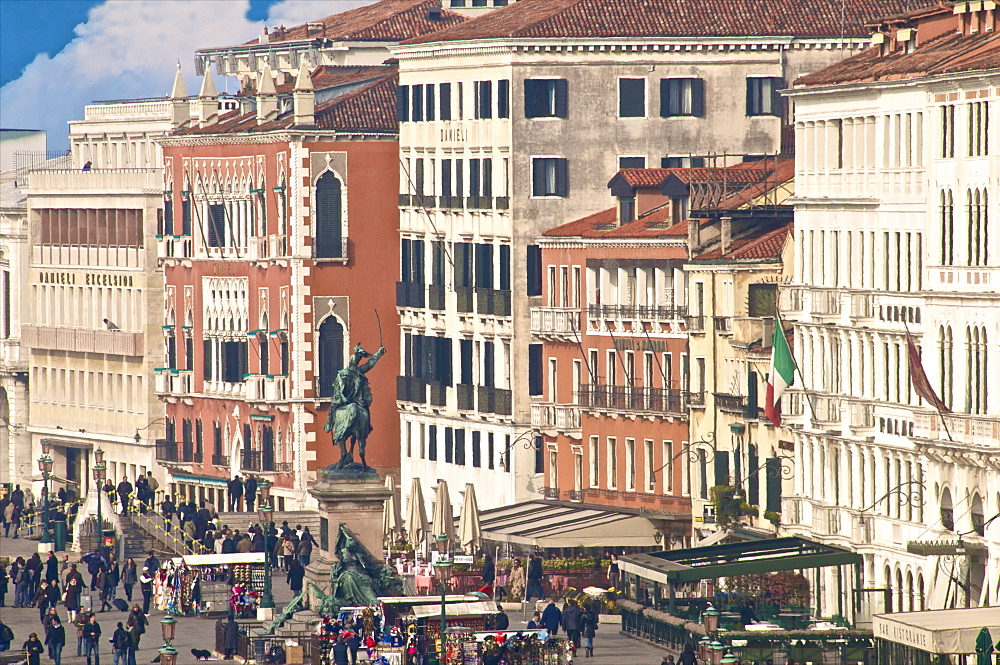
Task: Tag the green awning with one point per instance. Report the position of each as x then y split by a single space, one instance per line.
731 560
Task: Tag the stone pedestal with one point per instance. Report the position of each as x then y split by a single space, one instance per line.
356 500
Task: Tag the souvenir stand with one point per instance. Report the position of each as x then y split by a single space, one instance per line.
200 583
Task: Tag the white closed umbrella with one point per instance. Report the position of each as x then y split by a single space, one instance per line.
416 522
392 520
444 519
469 532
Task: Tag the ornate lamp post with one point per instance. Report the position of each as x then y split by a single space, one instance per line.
168 654
100 470
715 650
265 511
442 570
45 466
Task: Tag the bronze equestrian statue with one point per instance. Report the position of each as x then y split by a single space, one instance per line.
349 417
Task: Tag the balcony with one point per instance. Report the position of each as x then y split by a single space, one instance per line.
826 410
250 460
550 492
825 303
791 298
267 387
120 181
657 313
862 306
638 399
83 340
466 299
964 428
723 325
451 202
174 381
166 451
12 356
493 400
503 202
220 460
409 294
576 495
174 247
435 297
561 417
735 404
493 302
555 323
411 389
404 200
439 394
466 395
695 324
963 279
862 415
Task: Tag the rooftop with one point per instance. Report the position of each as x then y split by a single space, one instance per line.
675 18
940 50
383 21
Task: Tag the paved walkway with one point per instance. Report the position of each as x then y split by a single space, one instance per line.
610 646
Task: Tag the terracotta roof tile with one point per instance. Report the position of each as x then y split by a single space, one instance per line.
602 224
764 242
332 76
370 108
383 21
675 18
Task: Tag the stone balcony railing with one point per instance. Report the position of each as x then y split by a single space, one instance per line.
174 381
963 428
83 340
123 181
562 417
174 247
963 279
12 356
267 387
555 322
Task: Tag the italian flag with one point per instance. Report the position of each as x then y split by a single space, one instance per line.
781 374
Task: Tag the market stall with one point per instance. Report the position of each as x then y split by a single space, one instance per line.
923 638
217 583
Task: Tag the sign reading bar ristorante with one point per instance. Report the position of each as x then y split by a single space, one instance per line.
911 636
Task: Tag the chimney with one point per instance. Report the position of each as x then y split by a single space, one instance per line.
304 99
180 108
265 38
208 101
726 237
267 97
694 239
434 11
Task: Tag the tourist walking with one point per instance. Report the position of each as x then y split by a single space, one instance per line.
516 581
235 487
129 578
250 492
92 641
551 618
589 624
534 578
296 573
125 490
305 548
230 637
572 617
146 586
6 636
71 599
56 640
120 644
33 650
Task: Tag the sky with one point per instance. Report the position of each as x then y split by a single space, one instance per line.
56 56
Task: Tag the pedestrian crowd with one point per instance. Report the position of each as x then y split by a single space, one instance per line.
21 514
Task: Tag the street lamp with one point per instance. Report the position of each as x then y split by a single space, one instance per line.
715 650
265 511
45 466
442 570
100 470
168 654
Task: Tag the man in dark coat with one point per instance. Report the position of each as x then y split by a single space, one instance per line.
124 493
572 617
250 492
230 637
551 618
534 578
235 487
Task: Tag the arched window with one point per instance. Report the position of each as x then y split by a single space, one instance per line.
331 354
978 518
947 228
947 365
919 603
329 243
910 602
947 511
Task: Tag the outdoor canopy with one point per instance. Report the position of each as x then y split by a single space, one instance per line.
938 631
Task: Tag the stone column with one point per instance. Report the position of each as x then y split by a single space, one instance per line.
356 500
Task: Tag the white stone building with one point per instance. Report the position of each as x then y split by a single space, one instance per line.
512 123
896 188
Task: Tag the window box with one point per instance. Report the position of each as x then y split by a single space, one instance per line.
465 297
503 203
484 399
466 397
439 394
435 297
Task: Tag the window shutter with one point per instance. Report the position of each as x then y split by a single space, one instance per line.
562 177
535 369
437 262
534 260
216 224
721 467
774 485
664 98
402 103
751 89
459 178
753 490
486 99
418 261
265 354
698 97
465 360
445 177
443 364
168 217
449 445
444 94
474 182
417 106
207 376
405 271
199 437
505 267
777 84
460 447
530 98
186 217
429 98
503 98
538 177
488 177
562 98
328 217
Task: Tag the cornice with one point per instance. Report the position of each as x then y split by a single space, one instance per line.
284 136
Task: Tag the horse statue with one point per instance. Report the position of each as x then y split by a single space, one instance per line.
349 417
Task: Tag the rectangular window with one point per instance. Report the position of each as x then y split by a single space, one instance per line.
403 103
948 131
632 98
534 270
449 445
216 225
444 103
429 99
679 97
546 98
503 98
631 162
417 103
667 467
649 465
612 463
630 465
446 177
484 99
477 453
504 268
460 447
490 450
681 162
535 372
549 176
595 466
762 95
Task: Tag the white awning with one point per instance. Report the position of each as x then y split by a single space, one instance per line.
559 524
455 609
938 631
222 559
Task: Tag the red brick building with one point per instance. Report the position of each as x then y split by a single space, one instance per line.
279 224
610 357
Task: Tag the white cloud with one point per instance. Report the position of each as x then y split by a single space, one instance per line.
129 49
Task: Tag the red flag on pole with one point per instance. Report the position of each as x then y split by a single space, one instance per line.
919 378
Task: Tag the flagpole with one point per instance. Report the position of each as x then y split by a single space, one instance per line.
944 423
809 399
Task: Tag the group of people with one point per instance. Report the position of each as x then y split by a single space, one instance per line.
144 492
47 584
242 494
579 621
